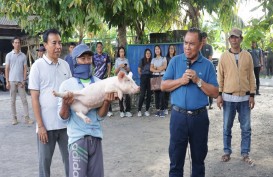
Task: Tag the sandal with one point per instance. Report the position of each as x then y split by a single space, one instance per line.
248 160
225 157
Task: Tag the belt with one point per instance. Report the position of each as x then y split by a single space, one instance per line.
247 93
190 112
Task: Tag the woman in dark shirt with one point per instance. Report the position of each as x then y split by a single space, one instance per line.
145 87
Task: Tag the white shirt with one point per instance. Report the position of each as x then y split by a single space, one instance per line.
45 76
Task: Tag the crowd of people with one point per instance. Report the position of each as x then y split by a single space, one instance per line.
189 83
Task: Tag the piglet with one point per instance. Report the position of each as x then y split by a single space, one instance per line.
92 96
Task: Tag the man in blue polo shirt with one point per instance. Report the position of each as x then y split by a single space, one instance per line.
190 79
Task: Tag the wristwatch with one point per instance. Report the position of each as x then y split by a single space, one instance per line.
199 83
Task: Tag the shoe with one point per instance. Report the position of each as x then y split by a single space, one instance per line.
162 113
166 112
139 114
258 93
147 113
109 114
128 114
121 114
210 107
248 160
28 120
157 114
14 121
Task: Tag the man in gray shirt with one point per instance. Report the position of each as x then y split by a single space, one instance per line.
257 56
16 74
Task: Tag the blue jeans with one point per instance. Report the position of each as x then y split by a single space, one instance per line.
243 110
192 129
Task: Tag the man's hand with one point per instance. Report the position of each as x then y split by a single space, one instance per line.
251 102
8 85
219 101
185 79
68 99
42 134
110 96
192 75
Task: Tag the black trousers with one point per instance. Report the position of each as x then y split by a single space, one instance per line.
127 103
257 76
145 89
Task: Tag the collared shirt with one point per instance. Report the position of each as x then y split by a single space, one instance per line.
16 62
120 61
190 96
45 76
158 62
76 127
100 62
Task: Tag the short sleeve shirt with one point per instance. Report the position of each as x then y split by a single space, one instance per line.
207 51
158 62
100 63
145 70
16 64
190 96
45 76
76 127
120 61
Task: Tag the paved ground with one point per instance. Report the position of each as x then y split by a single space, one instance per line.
138 147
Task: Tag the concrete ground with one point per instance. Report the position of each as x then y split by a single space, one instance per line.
138 147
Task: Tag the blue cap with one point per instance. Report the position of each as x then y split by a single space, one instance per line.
79 50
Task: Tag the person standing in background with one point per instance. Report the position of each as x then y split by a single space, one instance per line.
122 64
102 65
68 58
158 67
257 56
236 94
145 86
16 76
40 51
46 75
207 52
171 53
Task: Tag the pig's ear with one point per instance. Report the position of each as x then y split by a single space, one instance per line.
121 75
130 74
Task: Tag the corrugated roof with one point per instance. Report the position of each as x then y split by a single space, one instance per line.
7 22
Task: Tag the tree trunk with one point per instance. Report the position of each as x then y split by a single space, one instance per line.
139 27
122 35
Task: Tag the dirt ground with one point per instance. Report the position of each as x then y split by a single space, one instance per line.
138 147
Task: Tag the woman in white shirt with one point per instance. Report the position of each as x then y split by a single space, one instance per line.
158 67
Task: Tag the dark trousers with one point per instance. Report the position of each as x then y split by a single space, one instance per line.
85 158
159 99
145 89
167 98
45 151
192 129
127 103
257 76
210 101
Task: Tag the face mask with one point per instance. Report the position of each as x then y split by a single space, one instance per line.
82 71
